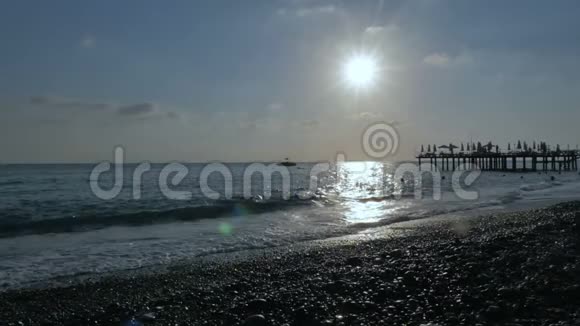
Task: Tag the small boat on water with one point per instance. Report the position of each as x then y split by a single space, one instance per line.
286 162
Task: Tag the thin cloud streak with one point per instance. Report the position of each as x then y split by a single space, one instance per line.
137 110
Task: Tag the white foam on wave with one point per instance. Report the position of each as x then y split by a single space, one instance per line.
34 258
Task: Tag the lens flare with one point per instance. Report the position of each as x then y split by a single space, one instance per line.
225 228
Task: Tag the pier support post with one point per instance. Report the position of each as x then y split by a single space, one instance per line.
545 163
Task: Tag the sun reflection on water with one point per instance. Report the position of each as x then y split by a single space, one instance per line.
365 188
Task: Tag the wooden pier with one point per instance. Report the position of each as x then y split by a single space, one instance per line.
483 158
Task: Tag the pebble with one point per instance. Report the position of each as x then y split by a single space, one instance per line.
258 305
255 320
354 261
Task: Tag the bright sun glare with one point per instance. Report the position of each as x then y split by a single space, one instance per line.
360 71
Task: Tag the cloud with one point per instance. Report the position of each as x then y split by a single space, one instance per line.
88 42
322 10
308 11
437 59
173 115
147 111
382 29
264 124
366 115
311 124
374 29
443 60
275 107
139 109
65 102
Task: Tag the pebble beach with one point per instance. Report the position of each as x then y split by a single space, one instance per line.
518 268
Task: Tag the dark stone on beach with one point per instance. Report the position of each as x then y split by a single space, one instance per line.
304 316
396 253
494 313
255 320
383 294
409 278
354 261
114 307
258 305
506 292
351 308
148 316
334 287
577 222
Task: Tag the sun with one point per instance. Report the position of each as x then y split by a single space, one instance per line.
360 71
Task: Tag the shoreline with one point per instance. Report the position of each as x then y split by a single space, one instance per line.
519 267
363 232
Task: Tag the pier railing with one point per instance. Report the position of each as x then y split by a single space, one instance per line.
528 161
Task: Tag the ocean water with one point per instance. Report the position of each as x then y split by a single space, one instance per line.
53 225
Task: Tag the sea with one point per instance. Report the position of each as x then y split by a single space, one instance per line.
53 224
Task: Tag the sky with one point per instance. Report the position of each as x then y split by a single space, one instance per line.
261 80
